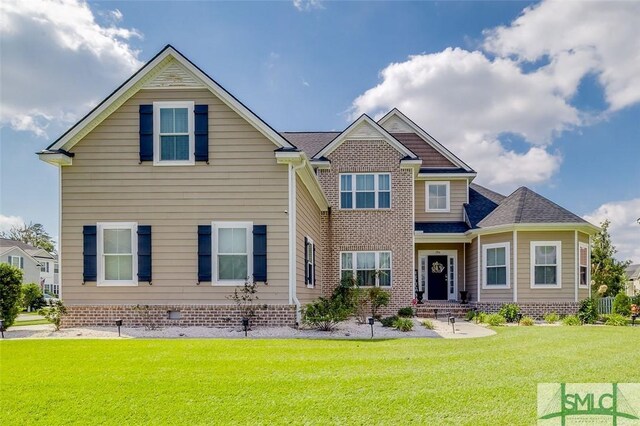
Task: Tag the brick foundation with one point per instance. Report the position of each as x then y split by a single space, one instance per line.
534 310
190 315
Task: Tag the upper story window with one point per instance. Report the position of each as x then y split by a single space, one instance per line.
584 264
546 263
496 265
117 253
56 268
437 196
232 248
16 261
44 267
365 191
173 133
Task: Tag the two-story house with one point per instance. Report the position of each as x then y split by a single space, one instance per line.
37 265
174 193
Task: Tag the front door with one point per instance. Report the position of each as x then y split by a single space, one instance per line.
437 272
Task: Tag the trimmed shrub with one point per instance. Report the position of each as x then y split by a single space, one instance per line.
10 293
54 313
571 320
378 298
496 320
510 312
403 324
527 321
551 318
428 324
588 311
622 305
406 312
388 321
324 314
470 315
616 320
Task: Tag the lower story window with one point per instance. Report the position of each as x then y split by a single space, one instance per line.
370 268
231 247
117 253
496 265
545 264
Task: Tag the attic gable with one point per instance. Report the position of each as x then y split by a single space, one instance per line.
174 75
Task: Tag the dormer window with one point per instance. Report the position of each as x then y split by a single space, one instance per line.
173 133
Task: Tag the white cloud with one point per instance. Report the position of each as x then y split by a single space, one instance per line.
307 5
624 228
8 222
58 61
469 100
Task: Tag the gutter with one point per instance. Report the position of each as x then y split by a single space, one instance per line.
293 298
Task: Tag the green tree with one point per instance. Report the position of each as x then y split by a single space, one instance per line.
33 234
10 295
32 296
605 269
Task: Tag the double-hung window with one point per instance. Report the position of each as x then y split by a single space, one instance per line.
117 253
310 260
370 268
173 133
496 265
16 261
44 267
437 196
546 264
583 254
365 191
232 249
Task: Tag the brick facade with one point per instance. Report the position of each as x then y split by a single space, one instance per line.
190 315
370 230
534 310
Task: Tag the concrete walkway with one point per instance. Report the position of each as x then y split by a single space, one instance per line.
464 329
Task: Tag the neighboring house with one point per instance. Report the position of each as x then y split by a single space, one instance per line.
633 276
38 265
173 193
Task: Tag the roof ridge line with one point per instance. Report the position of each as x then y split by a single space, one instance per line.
518 217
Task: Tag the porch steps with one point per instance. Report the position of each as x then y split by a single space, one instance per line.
428 310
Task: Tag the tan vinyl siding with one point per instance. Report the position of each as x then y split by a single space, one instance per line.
564 294
243 182
458 194
501 294
309 224
471 265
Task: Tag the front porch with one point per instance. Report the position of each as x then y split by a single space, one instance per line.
441 273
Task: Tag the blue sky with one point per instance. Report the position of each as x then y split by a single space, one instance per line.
547 97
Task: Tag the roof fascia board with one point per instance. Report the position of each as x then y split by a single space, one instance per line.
452 176
364 118
55 158
135 83
587 228
307 175
426 136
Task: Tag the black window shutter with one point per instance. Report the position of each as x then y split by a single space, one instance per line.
201 117
144 253
260 253
314 265
204 253
146 132
90 247
306 260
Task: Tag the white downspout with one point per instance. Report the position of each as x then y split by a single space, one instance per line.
293 298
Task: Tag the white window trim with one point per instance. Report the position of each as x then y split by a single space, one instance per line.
507 253
376 190
426 196
354 261
588 265
310 262
215 226
558 246
10 259
101 226
190 105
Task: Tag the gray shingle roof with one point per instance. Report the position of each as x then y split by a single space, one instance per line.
633 271
526 206
441 227
482 202
310 142
6 242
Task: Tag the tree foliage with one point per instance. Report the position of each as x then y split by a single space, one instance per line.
33 234
32 296
605 269
10 294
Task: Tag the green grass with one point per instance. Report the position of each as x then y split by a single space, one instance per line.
36 321
485 381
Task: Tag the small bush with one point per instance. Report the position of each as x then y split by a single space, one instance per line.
378 298
406 312
571 320
510 312
496 319
616 320
428 324
325 314
588 311
470 315
403 324
622 305
388 321
551 318
527 321
54 313
481 318
32 296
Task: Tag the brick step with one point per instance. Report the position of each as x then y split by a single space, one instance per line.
456 310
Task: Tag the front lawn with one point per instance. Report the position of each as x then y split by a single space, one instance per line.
29 318
421 381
